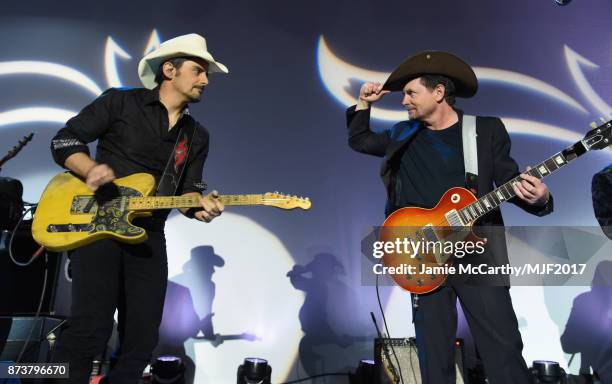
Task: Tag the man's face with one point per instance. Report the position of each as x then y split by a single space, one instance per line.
419 100
191 78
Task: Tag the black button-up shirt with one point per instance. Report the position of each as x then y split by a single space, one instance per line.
131 126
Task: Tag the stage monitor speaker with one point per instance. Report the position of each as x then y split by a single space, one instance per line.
387 350
14 332
21 287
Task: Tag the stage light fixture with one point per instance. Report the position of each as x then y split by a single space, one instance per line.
168 370
254 370
549 372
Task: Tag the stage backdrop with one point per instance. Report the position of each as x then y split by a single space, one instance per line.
277 122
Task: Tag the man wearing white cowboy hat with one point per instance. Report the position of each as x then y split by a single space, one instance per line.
423 158
138 130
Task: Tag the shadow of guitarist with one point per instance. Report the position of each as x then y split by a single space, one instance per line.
588 328
324 306
188 308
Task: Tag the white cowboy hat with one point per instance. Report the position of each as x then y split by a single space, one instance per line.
192 45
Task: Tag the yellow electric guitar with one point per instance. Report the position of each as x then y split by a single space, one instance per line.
69 216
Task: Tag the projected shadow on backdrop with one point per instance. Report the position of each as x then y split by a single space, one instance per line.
587 331
331 332
549 88
188 308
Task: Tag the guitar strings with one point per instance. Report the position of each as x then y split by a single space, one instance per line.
188 200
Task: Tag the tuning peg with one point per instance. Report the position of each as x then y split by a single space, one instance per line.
308 199
593 124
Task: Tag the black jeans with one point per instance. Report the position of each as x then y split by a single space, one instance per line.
108 275
493 324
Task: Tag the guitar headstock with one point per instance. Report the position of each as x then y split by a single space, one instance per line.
249 336
599 137
280 200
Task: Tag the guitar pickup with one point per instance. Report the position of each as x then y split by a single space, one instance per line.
453 218
83 205
429 235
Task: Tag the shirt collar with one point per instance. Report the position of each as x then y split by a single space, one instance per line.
152 96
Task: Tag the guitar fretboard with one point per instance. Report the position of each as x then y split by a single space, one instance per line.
505 192
169 202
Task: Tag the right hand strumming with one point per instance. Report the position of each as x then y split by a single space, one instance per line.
99 175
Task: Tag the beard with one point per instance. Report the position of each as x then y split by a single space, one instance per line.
194 97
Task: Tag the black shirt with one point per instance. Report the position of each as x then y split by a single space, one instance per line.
131 126
431 164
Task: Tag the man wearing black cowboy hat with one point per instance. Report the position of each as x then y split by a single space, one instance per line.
423 158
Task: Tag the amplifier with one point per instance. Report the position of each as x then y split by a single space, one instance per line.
21 287
387 350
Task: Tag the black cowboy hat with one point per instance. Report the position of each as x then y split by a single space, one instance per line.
434 63
204 255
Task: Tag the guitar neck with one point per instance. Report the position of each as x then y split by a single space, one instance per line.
505 192
15 150
168 202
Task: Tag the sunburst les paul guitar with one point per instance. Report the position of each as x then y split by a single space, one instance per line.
69 215
452 218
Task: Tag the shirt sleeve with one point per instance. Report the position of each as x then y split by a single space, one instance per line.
90 124
361 138
193 173
506 168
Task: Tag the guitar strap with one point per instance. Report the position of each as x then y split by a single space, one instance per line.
170 179
470 153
